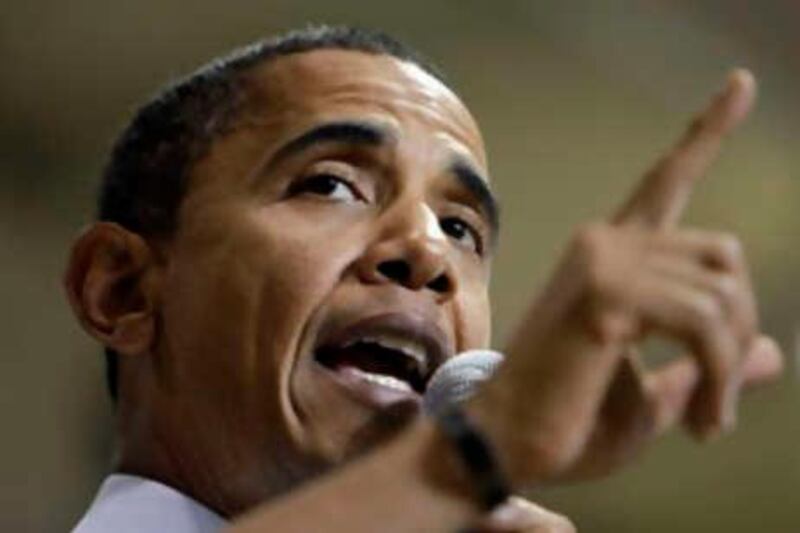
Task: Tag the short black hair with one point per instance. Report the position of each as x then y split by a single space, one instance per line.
151 162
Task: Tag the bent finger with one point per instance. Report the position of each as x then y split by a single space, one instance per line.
697 319
671 387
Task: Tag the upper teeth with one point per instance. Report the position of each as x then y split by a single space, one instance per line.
409 347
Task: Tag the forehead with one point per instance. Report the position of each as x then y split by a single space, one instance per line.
301 88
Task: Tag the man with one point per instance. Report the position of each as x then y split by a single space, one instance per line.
293 239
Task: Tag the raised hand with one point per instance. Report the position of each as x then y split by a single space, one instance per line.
575 397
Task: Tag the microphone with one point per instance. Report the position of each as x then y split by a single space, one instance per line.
458 379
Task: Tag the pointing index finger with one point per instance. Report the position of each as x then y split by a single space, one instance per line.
660 198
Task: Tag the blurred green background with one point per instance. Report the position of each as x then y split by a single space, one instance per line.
574 98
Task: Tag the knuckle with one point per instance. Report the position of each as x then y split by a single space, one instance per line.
591 237
736 303
595 246
706 312
726 288
729 250
552 454
612 324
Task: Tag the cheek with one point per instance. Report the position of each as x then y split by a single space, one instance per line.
210 316
300 261
474 318
241 291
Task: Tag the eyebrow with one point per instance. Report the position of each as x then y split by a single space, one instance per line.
476 185
349 132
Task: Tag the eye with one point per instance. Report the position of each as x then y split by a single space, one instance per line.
328 186
462 232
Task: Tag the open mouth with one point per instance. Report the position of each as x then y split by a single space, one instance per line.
384 359
381 361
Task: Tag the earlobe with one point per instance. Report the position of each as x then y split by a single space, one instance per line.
112 285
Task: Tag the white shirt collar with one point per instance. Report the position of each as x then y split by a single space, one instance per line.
128 504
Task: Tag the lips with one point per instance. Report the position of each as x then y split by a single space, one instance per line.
383 359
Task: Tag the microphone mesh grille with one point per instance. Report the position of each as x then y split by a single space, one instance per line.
459 378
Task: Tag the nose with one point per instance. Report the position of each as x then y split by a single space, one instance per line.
412 251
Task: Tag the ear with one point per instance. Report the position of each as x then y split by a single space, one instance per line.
112 285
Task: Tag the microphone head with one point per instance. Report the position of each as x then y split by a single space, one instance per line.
459 378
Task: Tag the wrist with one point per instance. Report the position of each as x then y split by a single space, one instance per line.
482 410
442 469
463 461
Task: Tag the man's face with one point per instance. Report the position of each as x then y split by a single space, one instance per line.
332 249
